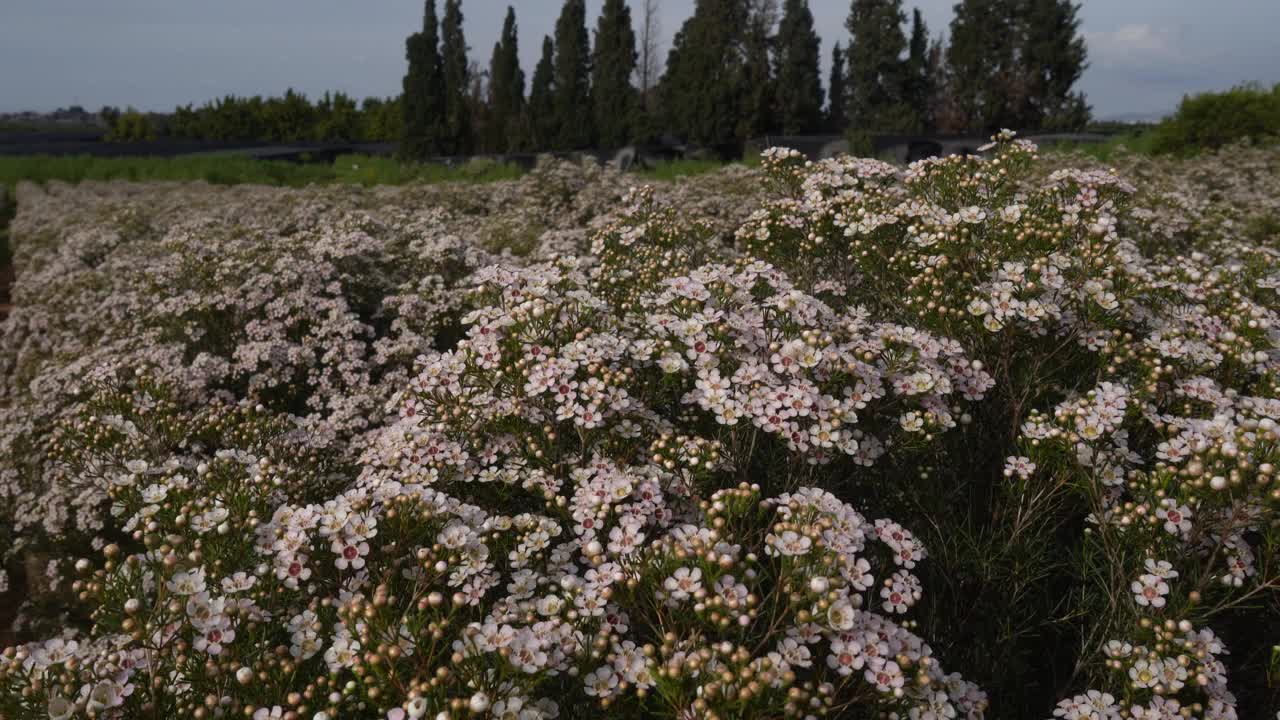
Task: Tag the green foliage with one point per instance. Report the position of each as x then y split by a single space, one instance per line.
542 110
1209 121
759 111
1203 122
338 117
877 75
371 170
860 144
978 57
335 117
7 127
382 120
1136 142
234 169
423 102
613 61
507 120
1054 59
572 93
702 91
131 126
289 118
799 83
1013 64
837 120
217 169
919 78
459 136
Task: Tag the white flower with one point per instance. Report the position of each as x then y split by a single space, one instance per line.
187 582
1020 466
840 615
60 708
845 656
683 583
601 682
1149 590
789 543
106 695
1177 518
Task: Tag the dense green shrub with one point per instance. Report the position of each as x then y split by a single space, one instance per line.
132 126
238 169
1212 120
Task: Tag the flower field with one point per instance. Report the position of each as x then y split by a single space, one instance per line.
983 437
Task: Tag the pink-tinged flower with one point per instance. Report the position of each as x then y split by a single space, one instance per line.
845 656
1149 590
1177 518
601 682
683 583
350 553
886 677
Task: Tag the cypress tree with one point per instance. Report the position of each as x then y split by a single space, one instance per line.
572 78
423 104
1054 57
876 80
506 90
542 109
836 119
799 85
1013 63
759 111
459 138
943 108
981 63
613 60
919 83
702 88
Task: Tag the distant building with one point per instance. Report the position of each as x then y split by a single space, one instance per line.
74 116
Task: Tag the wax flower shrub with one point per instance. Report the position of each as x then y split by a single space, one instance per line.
980 437
1220 202
312 303
311 313
1111 342
553 523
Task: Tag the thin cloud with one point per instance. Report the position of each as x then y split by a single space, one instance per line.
1135 41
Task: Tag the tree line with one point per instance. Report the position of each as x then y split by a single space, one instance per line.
334 117
738 69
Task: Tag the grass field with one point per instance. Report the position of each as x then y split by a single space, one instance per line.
234 169
1137 143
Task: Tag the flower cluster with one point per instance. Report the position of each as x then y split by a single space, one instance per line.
1178 675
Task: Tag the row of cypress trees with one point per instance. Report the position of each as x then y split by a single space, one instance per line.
579 97
1007 63
743 68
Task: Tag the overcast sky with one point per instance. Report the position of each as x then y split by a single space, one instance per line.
155 54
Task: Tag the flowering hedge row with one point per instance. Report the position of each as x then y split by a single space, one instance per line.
740 447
